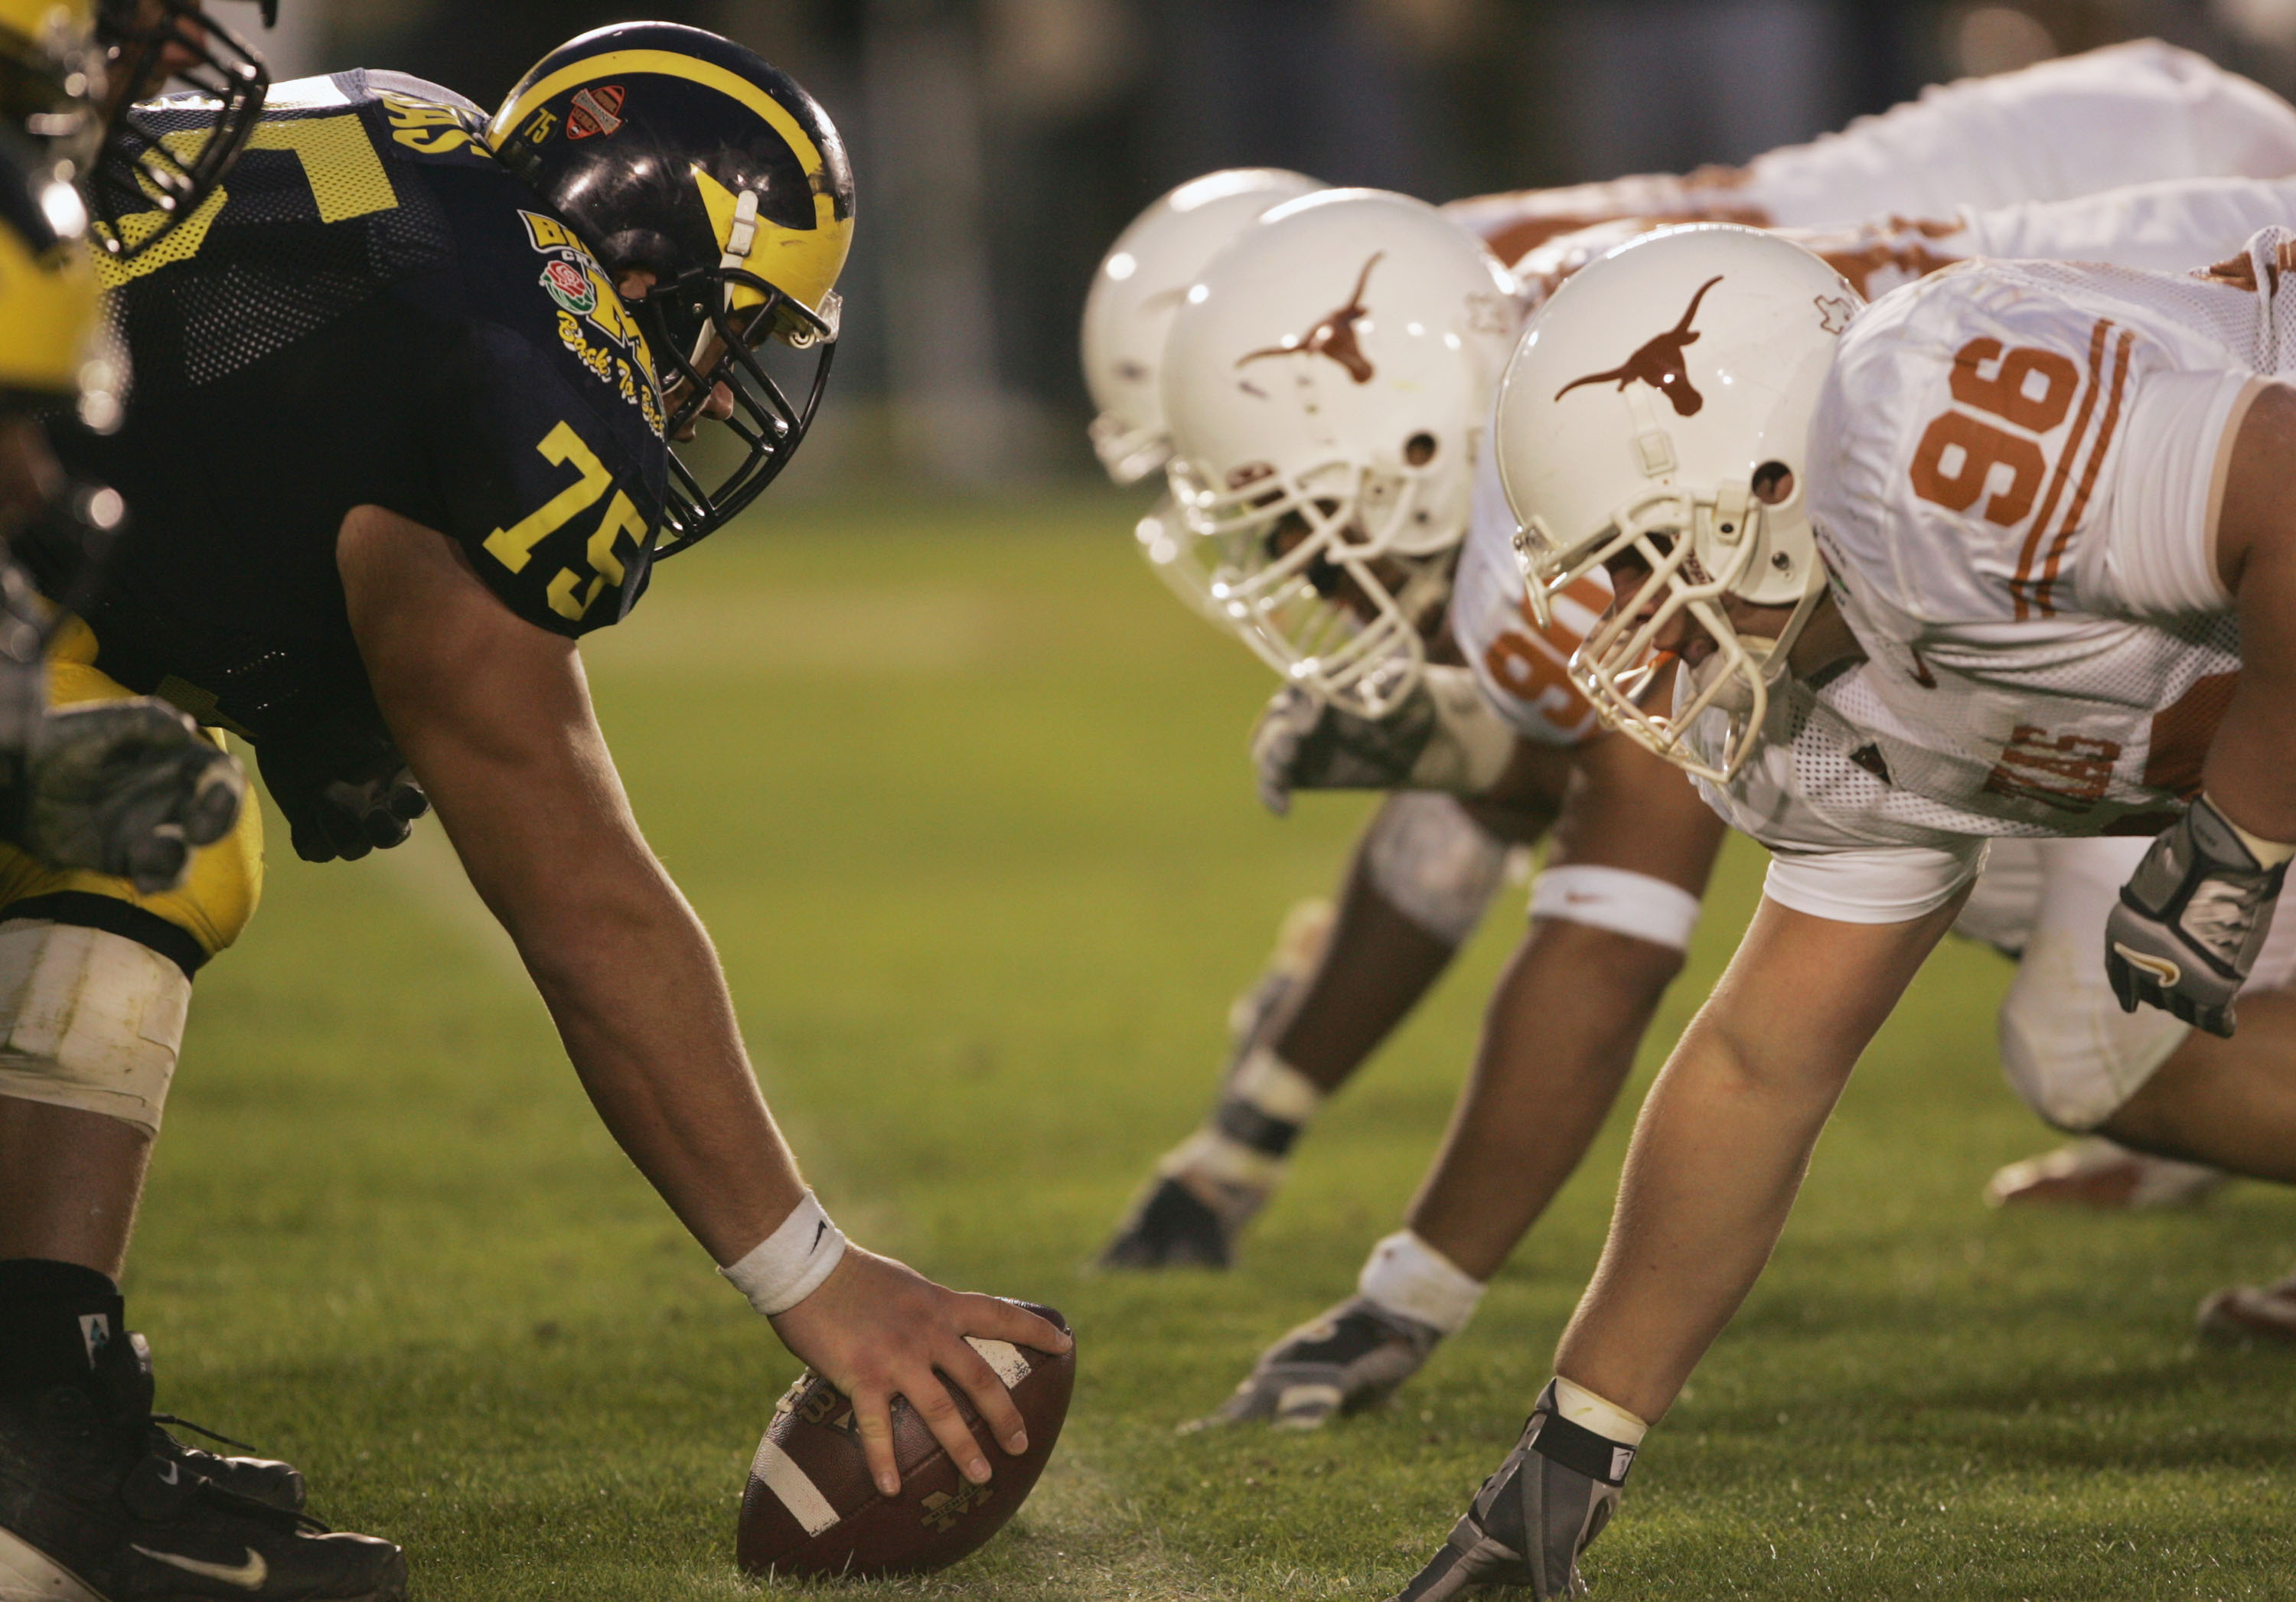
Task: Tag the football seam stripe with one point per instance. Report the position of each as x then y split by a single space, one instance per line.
1002 1356
781 1474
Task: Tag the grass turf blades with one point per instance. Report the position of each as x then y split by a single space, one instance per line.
963 796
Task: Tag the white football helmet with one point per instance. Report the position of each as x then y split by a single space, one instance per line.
1660 403
1138 287
1328 384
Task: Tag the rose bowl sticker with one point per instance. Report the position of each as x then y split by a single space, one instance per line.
596 110
570 287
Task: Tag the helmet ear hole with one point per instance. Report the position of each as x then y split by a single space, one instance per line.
1773 483
1420 449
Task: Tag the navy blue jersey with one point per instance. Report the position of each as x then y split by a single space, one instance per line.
370 312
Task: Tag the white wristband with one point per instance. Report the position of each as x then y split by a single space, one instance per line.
789 1265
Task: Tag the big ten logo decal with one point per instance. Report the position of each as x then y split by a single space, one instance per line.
426 126
2067 773
1989 447
1533 663
568 594
943 1508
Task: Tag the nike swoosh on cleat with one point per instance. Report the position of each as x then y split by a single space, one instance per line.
248 1576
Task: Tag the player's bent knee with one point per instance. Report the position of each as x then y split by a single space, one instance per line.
2073 1055
89 1019
1433 863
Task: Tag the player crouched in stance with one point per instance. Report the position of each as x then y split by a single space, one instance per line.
398 442
1429 864
2007 553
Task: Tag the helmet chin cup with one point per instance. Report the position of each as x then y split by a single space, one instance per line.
1339 611
1616 665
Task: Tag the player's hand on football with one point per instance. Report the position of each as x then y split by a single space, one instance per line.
128 788
877 1329
345 791
1303 742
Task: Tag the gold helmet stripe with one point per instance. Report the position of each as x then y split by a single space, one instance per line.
671 63
803 262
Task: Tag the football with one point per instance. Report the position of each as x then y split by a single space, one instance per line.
810 1507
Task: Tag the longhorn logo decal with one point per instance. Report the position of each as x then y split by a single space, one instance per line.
1660 364
1334 336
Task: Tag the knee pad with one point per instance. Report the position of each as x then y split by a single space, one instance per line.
2066 1047
1433 863
88 1019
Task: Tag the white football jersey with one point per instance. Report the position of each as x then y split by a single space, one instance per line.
2166 226
1521 667
2013 466
2131 113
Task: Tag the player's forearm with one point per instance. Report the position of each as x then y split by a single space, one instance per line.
633 986
2251 771
1717 1157
1558 1041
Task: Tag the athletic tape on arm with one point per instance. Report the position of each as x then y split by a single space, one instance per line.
1621 901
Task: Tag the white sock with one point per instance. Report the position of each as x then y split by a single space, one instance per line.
1589 1411
1404 1275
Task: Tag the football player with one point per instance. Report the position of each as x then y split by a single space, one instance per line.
2005 553
127 788
408 385
1429 864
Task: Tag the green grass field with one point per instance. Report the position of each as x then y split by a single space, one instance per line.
961 795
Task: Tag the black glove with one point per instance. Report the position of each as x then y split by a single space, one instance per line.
2191 921
126 788
345 790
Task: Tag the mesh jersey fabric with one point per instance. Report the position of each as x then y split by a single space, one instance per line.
369 311
1989 484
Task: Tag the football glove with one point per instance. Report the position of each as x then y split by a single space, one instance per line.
1442 735
128 788
1548 1501
345 789
2191 921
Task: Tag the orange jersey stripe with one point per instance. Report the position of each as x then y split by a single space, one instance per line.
2020 585
2072 524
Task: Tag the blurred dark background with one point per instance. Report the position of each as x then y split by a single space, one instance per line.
999 145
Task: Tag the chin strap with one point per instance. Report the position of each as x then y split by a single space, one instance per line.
739 238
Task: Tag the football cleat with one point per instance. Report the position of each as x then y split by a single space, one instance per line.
2245 1313
2095 1173
1526 1527
1344 1360
1169 1226
98 1503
